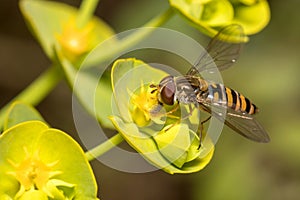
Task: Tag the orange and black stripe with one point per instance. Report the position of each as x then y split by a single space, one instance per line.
218 93
239 102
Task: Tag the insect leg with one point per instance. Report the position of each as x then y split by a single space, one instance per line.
191 109
200 130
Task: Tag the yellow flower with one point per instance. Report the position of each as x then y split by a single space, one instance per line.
76 41
165 141
33 173
38 162
209 16
142 103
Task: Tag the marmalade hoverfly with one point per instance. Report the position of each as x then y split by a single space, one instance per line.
204 94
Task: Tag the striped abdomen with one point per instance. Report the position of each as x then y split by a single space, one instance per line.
219 93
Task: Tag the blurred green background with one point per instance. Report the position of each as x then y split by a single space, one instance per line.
267 72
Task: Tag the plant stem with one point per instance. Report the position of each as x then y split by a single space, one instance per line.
86 11
133 38
104 147
142 33
36 91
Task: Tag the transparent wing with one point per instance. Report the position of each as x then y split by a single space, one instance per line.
222 51
242 123
247 126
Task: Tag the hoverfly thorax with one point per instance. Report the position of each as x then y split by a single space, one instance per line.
167 90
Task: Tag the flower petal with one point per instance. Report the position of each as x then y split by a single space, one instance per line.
57 150
47 18
253 18
20 112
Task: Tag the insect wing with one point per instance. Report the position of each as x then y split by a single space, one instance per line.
222 51
242 123
247 126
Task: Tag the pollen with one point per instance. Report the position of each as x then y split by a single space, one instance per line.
142 103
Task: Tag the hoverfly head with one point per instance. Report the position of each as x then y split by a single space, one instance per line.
166 90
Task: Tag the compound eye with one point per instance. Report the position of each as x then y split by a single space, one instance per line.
167 93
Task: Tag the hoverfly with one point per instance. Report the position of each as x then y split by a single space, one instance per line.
206 95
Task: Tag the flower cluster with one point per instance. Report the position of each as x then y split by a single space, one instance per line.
210 15
164 140
38 162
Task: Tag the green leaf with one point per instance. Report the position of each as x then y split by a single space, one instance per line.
92 91
174 144
253 18
47 20
245 2
20 112
198 163
204 15
33 143
209 16
217 13
149 150
34 194
142 144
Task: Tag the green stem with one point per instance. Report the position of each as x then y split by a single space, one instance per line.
104 147
133 38
36 91
142 33
160 19
86 12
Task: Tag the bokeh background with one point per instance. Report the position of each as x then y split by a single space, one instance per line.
267 72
